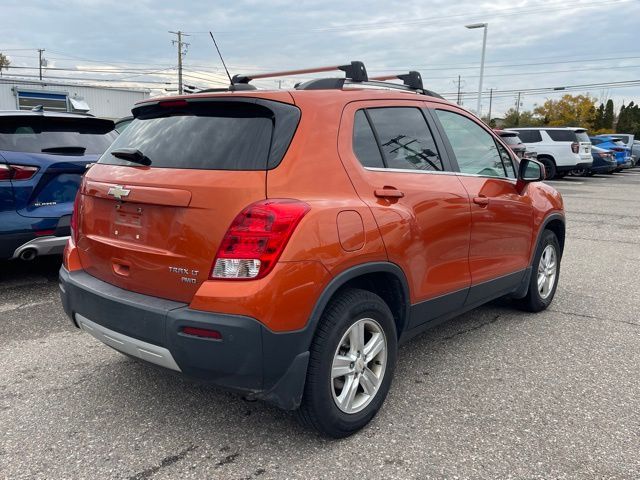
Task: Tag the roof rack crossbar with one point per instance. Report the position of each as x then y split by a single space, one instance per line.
354 71
412 79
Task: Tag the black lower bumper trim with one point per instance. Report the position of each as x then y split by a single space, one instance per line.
249 358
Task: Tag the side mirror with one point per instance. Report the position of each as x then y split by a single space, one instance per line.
531 171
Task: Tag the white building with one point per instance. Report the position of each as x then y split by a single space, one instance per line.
106 102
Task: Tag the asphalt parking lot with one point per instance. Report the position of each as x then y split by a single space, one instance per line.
493 394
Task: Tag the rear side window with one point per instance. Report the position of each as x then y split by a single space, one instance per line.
209 135
530 136
364 142
56 135
405 139
562 135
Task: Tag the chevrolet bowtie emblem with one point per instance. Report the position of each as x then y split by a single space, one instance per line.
118 192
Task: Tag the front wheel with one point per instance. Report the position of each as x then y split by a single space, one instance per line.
352 361
545 274
549 167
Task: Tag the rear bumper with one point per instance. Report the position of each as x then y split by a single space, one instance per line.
249 359
48 245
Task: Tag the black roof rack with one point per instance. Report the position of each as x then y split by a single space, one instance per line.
354 71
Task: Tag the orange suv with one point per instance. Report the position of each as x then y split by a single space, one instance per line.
282 244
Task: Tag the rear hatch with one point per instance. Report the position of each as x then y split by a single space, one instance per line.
47 156
155 229
584 143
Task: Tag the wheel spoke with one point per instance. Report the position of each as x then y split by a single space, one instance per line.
341 366
356 337
374 346
348 394
369 382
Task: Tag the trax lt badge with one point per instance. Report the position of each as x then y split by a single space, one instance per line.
118 192
192 274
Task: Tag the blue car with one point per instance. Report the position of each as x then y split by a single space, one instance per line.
622 153
604 161
43 156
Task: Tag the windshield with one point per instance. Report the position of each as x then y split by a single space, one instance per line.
55 134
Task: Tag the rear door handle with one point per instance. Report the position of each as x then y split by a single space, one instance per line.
481 200
388 192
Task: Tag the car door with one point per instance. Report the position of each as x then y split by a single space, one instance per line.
400 170
502 216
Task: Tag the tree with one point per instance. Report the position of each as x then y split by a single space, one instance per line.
525 118
598 123
629 119
607 120
569 111
4 62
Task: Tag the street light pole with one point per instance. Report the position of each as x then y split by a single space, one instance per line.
484 48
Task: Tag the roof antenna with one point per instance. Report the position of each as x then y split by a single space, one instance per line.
223 64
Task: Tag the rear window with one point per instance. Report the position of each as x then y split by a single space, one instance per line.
562 135
582 136
205 135
530 136
511 139
41 134
624 138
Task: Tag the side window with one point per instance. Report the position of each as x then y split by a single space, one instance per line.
562 135
506 161
475 149
405 138
364 142
530 136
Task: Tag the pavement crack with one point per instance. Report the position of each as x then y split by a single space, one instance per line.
228 459
594 317
471 329
166 462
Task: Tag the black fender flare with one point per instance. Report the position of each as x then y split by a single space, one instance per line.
349 274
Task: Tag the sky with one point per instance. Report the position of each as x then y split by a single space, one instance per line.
530 44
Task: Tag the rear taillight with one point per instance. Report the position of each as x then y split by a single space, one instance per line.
575 147
17 172
256 238
74 218
618 149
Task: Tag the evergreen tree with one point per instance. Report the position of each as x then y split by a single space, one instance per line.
598 123
608 117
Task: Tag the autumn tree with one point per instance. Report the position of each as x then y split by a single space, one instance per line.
524 118
569 111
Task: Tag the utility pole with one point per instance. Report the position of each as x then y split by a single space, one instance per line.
518 109
40 52
459 81
490 105
181 52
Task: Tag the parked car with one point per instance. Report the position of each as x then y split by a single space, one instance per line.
627 139
283 243
635 150
515 144
623 155
43 156
604 161
560 149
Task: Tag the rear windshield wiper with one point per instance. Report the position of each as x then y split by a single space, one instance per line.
132 155
63 150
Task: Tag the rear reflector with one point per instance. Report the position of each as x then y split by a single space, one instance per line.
43 233
202 332
256 238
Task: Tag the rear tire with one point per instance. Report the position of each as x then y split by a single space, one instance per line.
345 388
544 275
549 167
